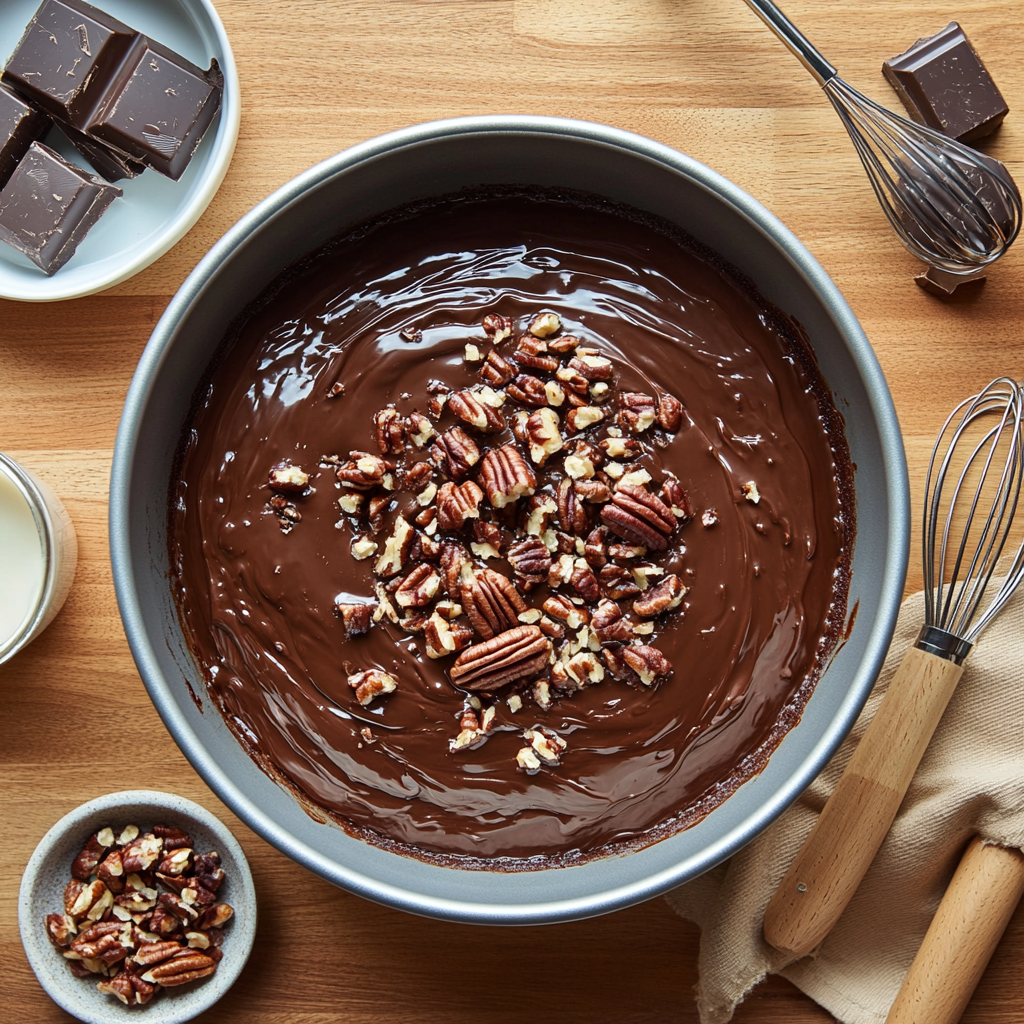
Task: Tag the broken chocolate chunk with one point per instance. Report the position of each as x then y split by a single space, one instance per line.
48 207
20 126
944 85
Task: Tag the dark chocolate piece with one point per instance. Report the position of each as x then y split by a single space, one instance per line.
49 205
945 285
944 85
106 161
158 108
66 58
20 126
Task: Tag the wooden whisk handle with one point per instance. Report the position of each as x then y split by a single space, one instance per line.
837 854
962 937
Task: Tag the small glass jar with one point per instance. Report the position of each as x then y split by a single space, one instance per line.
38 555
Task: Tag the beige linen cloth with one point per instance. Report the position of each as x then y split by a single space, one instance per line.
970 782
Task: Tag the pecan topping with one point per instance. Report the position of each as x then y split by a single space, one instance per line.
595 491
608 623
506 476
370 683
639 516
288 479
496 369
530 558
444 637
525 360
453 557
571 514
675 497
647 662
362 472
186 965
354 617
670 413
457 503
583 416
417 590
455 453
616 582
498 327
390 428
595 550
637 411
528 390
517 653
593 367
583 580
543 435
396 549
624 448
668 594
492 602
545 324
93 852
468 407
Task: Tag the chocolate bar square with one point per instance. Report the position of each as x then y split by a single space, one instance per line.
49 205
66 57
20 126
107 162
944 84
158 108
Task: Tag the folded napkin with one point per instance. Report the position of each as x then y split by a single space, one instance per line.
970 782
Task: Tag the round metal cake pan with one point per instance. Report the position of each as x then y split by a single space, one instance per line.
433 159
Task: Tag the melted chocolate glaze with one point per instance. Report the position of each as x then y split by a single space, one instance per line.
768 583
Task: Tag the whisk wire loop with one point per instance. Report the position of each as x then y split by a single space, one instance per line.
977 519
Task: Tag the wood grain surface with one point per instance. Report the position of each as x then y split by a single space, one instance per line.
704 76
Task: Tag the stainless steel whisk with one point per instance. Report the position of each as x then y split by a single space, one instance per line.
972 493
951 206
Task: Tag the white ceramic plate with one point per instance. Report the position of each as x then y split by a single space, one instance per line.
49 871
154 211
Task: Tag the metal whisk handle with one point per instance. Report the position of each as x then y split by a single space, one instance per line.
794 39
943 643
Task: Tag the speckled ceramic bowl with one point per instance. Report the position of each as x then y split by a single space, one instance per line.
49 871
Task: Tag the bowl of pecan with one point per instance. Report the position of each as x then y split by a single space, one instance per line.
137 902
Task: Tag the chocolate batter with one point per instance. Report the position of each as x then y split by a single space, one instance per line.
767 582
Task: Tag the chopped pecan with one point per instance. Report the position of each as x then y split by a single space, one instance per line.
571 514
750 492
142 853
526 360
584 668
492 602
288 479
215 917
455 453
362 472
670 413
574 383
543 434
594 491
545 743
639 516
453 557
591 366
637 411
60 929
468 407
647 662
581 417
617 582
595 549
583 580
564 610
506 476
92 853
496 369
543 325
608 622
419 429
497 326
356 618
417 590
675 497
443 636
517 653
370 683
530 557
164 924
456 503
668 594
390 430
120 985
177 862
624 448
173 838
708 518
396 548
528 390
111 872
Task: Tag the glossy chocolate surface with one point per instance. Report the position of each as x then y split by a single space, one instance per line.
20 126
48 207
768 581
944 84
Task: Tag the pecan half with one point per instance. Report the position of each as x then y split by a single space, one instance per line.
497 326
637 411
185 966
417 590
92 853
142 853
595 550
675 497
370 683
356 618
288 479
608 622
528 390
390 429
468 407
637 515
593 367
670 413
583 580
668 594
453 557
525 360
455 453
517 653
456 503
647 662
571 514
616 582
492 602
362 472
530 558
496 369
506 476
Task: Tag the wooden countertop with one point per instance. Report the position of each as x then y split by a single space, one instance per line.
317 76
